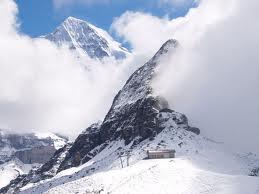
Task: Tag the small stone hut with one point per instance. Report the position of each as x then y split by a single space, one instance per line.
155 154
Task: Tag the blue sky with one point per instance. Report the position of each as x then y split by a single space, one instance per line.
38 17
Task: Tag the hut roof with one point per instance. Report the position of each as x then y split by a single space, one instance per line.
161 151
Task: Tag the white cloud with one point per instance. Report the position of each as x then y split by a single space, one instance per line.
144 32
46 88
213 77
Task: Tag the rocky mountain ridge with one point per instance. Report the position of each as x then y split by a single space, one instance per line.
135 116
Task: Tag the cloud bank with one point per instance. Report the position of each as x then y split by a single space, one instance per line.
213 77
47 88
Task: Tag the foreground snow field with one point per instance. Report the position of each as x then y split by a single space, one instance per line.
212 169
161 176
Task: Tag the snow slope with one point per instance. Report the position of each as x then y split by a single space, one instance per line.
161 176
86 39
200 166
58 141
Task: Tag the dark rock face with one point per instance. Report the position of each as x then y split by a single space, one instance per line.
79 152
194 130
166 110
134 109
135 121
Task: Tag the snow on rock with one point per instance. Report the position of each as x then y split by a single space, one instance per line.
86 38
19 153
12 169
59 141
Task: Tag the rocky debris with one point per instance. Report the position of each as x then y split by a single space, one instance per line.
254 172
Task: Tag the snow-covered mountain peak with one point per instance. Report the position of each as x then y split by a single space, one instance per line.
72 21
71 18
86 39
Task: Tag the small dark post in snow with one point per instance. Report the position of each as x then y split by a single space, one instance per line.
121 161
127 158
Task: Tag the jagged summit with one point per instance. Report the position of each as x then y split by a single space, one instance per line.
87 39
71 18
167 46
138 85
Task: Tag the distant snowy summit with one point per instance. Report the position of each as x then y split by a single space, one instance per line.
86 38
